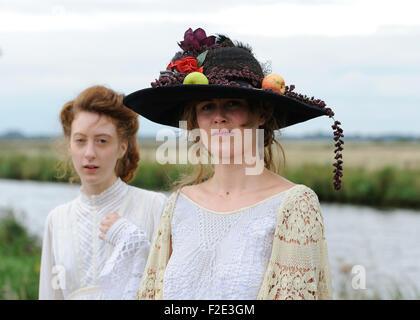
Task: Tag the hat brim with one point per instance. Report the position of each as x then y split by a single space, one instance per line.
165 105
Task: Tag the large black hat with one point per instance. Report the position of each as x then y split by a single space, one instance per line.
230 71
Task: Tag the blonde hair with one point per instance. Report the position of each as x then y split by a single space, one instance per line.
104 101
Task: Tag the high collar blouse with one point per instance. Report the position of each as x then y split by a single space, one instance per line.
73 255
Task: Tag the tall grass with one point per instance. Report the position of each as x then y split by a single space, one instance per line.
385 187
20 257
23 167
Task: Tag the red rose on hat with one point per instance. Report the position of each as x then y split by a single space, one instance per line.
186 65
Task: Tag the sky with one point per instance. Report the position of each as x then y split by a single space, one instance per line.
361 57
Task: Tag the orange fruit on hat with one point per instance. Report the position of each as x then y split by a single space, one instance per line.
275 82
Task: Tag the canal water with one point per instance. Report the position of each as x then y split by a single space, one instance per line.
372 253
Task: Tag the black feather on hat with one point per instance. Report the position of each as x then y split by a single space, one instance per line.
232 72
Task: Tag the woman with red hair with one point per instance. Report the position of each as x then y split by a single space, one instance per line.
109 221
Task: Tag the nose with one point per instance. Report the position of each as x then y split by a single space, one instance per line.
219 115
90 153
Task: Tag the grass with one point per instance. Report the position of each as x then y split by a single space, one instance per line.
20 257
23 167
383 187
367 155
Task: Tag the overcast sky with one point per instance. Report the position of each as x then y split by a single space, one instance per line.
361 57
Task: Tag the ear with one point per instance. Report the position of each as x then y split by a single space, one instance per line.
122 149
261 120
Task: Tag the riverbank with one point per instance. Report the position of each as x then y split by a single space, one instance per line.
386 187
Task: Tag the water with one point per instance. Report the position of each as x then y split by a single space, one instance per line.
32 201
381 247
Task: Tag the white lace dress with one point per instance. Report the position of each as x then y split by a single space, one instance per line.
219 255
77 264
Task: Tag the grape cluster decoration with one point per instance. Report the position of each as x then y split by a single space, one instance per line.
169 78
227 77
338 132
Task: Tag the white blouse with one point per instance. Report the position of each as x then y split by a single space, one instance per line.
77 264
219 255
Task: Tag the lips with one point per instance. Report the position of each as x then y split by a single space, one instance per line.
221 132
90 168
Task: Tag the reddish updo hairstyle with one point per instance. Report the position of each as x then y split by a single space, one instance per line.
104 101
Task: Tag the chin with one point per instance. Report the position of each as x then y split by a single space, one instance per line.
225 152
91 180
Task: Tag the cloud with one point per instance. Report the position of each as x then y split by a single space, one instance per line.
365 72
127 6
267 18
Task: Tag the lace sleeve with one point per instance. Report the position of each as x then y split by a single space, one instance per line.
298 267
151 286
122 272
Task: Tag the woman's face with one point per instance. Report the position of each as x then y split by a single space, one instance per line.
95 148
224 120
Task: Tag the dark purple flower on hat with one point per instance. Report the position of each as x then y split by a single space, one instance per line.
194 40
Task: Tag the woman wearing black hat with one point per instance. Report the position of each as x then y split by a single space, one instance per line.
233 234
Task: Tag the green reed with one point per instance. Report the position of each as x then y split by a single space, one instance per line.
384 187
20 257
